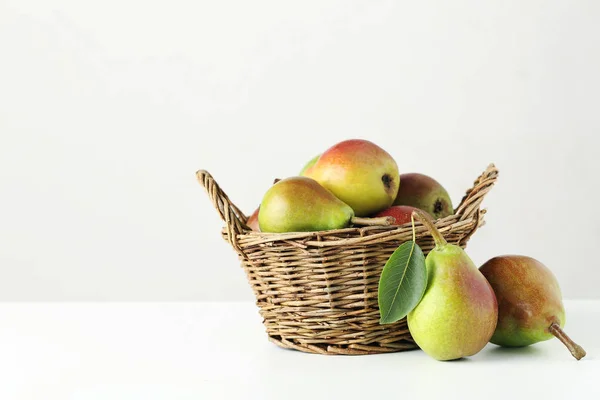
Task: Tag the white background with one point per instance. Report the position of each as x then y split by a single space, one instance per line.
108 108
152 351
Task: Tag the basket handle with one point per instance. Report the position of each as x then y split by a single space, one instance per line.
235 220
471 201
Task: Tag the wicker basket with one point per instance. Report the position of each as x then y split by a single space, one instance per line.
317 291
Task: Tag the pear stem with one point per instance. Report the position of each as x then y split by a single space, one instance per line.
576 350
373 221
426 220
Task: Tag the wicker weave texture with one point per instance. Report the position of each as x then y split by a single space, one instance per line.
317 291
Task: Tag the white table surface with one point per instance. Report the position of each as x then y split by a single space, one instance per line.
219 350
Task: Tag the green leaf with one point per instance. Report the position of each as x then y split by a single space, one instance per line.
402 282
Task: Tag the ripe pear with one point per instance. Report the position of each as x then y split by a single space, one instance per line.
300 204
252 221
359 173
425 193
530 307
458 312
309 165
401 214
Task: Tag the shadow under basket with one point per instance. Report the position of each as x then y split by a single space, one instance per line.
317 291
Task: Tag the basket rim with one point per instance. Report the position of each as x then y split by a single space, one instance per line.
238 234
360 229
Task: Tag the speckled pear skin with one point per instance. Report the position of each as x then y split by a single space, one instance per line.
529 300
300 204
458 312
425 193
359 173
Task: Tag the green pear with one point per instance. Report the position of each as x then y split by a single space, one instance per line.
308 165
359 173
458 312
300 204
530 307
425 193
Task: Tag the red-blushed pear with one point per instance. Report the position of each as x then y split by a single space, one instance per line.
359 173
425 193
252 221
530 307
401 214
458 312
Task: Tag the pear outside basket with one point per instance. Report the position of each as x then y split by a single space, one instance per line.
317 291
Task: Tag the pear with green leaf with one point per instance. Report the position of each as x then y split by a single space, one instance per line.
458 312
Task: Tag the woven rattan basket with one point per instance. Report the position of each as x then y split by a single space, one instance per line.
317 291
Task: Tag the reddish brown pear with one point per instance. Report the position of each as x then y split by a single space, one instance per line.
401 214
252 221
530 307
425 193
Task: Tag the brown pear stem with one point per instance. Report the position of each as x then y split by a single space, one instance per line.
426 220
276 180
373 221
576 350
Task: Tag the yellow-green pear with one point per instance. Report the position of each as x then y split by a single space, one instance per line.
359 173
458 312
300 204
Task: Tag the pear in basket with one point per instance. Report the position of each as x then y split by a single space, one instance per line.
252 221
300 204
359 173
425 193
